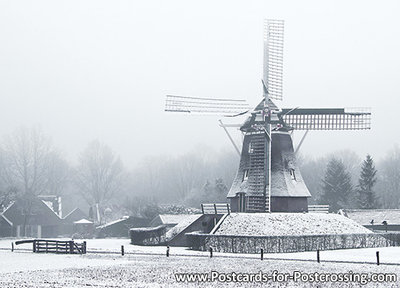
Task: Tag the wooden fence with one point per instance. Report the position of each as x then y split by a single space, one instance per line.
55 246
284 244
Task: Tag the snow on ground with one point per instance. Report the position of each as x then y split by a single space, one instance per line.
28 261
182 225
112 246
49 270
149 267
284 224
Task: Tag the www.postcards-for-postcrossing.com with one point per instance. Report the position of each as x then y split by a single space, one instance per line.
296 276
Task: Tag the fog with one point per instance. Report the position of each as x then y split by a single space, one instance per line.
85 70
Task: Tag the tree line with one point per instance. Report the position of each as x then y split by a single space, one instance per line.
31 165
344 180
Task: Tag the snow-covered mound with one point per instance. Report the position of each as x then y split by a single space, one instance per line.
288 224
183 223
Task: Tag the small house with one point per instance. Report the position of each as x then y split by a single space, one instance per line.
29 218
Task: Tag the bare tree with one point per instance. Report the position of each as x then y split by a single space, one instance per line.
99 174
27 155
7 193
149 177
58 174
26 161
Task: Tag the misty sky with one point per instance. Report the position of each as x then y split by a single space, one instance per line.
85 70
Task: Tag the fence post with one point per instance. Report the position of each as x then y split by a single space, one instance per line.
84 247
262 254
34 246
167 251
122 250
211 252
318 260
202 209
71 247
377 257
12 246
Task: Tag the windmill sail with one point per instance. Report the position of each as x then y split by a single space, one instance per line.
273 58
327 118
206 106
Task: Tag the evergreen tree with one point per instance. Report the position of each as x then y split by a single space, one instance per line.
337 187
366 196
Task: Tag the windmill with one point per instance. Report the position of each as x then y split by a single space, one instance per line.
268 178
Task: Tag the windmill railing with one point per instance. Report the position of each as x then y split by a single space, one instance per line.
215 208
318 208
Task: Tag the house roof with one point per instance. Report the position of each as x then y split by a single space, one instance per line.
125 218
40 213
5 218
75 215
83 221
364 216
9 206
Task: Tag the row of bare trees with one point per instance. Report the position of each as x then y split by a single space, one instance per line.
30 165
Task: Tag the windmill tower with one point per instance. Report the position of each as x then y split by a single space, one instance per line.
268 177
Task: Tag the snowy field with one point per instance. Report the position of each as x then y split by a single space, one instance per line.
151 268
